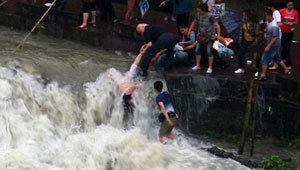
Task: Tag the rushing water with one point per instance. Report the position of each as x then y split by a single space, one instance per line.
59 109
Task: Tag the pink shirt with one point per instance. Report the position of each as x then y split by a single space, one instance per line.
287 18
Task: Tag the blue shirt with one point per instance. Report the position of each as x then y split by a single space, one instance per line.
165 98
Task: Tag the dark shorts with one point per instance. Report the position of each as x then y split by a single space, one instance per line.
165 129
88 6
127 105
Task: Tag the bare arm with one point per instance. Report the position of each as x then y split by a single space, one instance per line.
270 44
163 109
154 59
192 26
218 29
190 46
145 47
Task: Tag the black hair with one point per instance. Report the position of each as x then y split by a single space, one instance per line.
287 1
203 7
158 85
247 12
269 12
183 26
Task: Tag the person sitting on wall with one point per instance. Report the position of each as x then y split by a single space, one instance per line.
188 40
156 39
182 53
88 6
168 117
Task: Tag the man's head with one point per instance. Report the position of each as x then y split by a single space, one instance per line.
140 28
290 4
202 9
184 29
268 15
158 86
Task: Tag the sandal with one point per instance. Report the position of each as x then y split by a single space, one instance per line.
82 27
261 78
93 24
287 72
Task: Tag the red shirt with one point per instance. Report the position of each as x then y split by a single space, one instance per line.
287 18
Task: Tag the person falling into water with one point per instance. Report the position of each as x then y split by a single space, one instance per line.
168 116
126 86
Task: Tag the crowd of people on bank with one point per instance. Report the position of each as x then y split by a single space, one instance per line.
200 37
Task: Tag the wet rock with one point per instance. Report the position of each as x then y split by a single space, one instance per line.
243 160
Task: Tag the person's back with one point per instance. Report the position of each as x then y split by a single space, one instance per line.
168 117
153 32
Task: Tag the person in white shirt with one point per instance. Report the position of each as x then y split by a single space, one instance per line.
277 18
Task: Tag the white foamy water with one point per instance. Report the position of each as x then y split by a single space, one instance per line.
48 127
77 123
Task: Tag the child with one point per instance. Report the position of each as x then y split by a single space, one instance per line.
168 116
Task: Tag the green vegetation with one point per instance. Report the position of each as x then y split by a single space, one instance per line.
228 138
274 162
296 144
285 142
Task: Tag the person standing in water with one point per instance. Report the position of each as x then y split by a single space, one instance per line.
168 116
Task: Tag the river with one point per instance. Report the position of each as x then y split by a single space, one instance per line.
59 109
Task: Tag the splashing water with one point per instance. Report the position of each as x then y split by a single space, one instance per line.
47 125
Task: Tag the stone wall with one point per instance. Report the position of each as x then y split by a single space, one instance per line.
210 104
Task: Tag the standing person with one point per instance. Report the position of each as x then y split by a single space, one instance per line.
107 10
273 45
130 8
156 38
277 18
182 9
247 37
207 26
88 6
168 116
289 19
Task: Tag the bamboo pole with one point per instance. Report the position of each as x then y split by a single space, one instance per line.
247 115
254 113
4 2
35 26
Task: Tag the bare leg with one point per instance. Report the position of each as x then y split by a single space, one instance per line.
85 19
198 60
210 62
161 139
263 71
286 70
93 17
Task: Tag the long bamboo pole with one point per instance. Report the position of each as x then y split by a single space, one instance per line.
247 115
40 20
254 113
4 2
